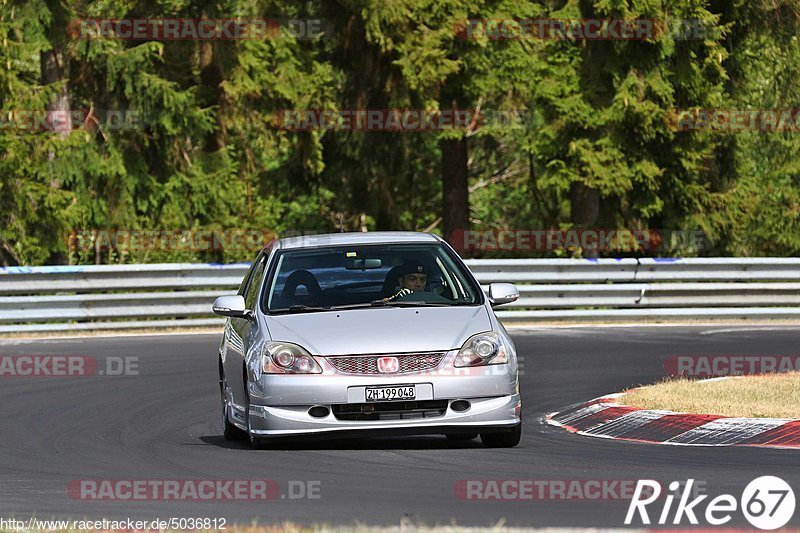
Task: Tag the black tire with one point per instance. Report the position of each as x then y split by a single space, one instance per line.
506 439
229 431
461 436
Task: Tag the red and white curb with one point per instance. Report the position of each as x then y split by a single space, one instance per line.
604 417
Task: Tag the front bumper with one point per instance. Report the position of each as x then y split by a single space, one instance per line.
484 413
280 404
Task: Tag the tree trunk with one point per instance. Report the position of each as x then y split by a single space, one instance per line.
585 204
386 217
58 111
59 116
585 209
455 193
211 93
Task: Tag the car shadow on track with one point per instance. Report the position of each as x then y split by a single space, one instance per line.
376 443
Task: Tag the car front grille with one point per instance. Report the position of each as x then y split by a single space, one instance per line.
409 410
368 364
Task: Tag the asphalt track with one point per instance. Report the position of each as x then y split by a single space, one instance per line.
164 424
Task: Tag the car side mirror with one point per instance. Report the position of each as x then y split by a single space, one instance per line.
502 293
232 306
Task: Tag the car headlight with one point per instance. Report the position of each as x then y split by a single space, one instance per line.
288 358
483 349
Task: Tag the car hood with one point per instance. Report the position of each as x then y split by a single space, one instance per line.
380 330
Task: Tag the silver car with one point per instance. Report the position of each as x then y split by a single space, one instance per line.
363 334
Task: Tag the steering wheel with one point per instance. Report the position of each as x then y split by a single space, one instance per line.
424 296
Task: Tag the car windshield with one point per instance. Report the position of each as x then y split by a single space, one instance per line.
370 275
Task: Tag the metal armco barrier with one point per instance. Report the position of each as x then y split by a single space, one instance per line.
63 298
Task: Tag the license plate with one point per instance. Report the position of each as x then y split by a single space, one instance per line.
386 394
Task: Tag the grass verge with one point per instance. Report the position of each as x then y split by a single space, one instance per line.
768 395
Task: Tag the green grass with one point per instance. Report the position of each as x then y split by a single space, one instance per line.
769 395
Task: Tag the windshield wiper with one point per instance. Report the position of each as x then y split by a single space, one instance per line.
383 303
410 303
374 303
299 309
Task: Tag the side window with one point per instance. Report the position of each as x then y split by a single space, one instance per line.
247 276
255 282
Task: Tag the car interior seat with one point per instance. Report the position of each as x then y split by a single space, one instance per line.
301 278
390 284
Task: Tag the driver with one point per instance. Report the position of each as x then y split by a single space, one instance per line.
413 278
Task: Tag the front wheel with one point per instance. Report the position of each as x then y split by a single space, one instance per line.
506 439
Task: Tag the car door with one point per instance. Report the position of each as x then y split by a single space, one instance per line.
242 332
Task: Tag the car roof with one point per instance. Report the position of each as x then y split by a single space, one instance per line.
354 238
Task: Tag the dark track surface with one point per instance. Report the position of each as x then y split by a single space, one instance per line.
164 424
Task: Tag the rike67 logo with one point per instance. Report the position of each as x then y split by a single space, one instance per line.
767 502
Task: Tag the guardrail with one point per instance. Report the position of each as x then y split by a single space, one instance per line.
63 298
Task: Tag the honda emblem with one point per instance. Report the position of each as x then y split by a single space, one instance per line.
388 365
